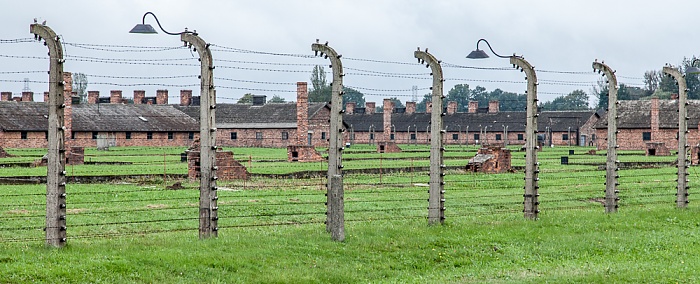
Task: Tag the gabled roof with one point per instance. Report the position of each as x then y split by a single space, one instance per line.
637 115
33 116
270 115
121 117
23 116
515 121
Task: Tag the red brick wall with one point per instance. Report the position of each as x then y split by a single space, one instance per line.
387 107
410 107
68 110
473 106
631 139
115 96
451 107
162 97
185 97
93 96
12 139
5 96
139 95
302 113
350 107
27 96
370 107
493 106
84 139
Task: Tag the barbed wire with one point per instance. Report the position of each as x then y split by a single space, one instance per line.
123 48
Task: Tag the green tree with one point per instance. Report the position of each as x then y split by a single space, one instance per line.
420 106
576 100
352 95
320 89
459 93
509 101
276 99
246 99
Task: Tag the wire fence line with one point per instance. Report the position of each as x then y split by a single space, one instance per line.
150 192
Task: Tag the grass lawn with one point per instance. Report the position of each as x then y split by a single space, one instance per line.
272 230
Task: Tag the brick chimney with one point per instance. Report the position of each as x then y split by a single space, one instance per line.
473 106
185 97
27 96
162 97
370 107
115 96
349 107
654 118
93 97
410 107
302 113
5 96
451 107
493 106
46 97
139 96
68 110
429 107
388 108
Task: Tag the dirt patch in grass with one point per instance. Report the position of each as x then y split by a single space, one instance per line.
18 211
597 200
76 210
156 206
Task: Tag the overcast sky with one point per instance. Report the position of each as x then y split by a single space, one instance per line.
631 36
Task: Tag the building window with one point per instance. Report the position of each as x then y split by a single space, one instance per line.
94 135
234 135
413 136
521 137
498 137
258 136
476 136
128 135
285 135
170 135
190 135
23 135
371 136
646 136
72 135
46 135
323 135
592 137
455 137
565 137
149 135
391 136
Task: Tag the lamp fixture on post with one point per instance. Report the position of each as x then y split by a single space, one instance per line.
531 176
692 70
208 216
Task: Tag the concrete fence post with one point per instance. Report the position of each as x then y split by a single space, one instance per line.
335 219
208 209
436 192
611 164
531 195
56 164
682 188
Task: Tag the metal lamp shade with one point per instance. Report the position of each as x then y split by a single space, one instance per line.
143 29
477 54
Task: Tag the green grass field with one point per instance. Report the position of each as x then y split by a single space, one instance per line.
272 230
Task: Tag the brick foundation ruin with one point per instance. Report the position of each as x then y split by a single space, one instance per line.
76 156
657 149
228 167
305 153
4 154
492 160
388 147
